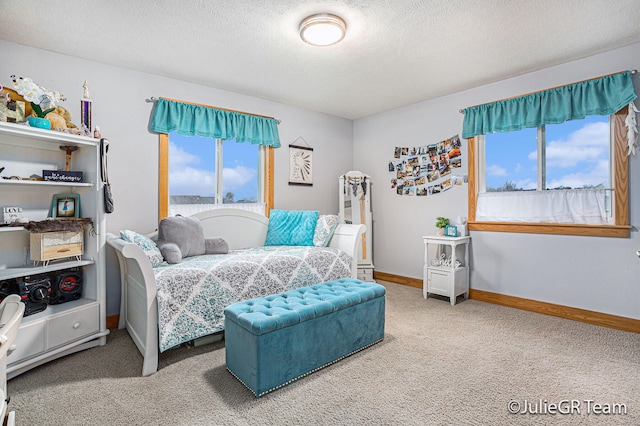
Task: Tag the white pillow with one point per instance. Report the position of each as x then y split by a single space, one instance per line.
325 227
146 244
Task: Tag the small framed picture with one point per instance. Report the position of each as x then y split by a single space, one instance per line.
451 231
65 206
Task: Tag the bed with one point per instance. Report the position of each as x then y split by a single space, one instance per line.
166 305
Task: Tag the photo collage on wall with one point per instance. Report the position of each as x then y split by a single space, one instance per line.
428 169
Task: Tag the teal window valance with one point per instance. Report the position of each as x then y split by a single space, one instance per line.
601 96
190 120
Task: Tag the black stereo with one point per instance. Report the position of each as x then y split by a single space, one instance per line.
38 291
8 287
35 291
66 285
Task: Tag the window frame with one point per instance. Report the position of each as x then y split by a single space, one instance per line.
620 183
266 182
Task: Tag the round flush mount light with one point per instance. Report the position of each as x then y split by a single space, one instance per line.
322 29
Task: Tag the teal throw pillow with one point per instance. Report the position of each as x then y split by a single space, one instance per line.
325 227
291 228
146 244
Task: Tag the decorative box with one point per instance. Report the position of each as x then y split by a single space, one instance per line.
451 231
11 214
46 246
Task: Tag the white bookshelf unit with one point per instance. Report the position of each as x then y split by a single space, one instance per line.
74 325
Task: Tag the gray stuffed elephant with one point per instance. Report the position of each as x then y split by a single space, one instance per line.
181 236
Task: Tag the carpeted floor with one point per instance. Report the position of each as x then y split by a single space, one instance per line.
438 365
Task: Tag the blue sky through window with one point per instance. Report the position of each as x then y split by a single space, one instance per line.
192 167
578 154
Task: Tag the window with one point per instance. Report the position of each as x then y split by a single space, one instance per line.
186 118
198 173
571 155
552 208
556 173
579 163
204 172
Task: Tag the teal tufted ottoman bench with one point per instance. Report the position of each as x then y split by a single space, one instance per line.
272 341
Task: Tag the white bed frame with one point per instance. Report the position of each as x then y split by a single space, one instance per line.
240 228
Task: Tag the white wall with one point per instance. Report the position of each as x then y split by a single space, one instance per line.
598 274
122 112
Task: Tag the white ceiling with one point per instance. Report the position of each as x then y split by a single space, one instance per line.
396 52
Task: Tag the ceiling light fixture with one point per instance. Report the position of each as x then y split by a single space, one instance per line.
322 29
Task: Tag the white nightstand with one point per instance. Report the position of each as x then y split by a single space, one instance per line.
441 275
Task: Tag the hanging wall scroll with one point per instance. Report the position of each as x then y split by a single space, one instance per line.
300 164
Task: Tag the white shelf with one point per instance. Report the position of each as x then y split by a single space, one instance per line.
32 270
447 240
43 183
47 137
445 268
57 309
11 228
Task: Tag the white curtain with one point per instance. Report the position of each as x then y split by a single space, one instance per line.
190 209
580 206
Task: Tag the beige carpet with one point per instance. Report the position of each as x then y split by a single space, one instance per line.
438 364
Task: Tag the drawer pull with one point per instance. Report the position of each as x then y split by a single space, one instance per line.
63 250
76 325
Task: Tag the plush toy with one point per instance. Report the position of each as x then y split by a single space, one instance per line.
181 236
60 118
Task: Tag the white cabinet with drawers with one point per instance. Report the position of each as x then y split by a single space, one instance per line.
74 323
446 269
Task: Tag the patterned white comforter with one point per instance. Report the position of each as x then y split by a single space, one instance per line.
192 294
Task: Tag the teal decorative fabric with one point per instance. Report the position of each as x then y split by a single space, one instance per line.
325 227
191 120
275 340
291 228
600 96
267 314
146 244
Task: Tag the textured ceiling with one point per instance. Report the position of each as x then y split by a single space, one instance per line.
396 52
